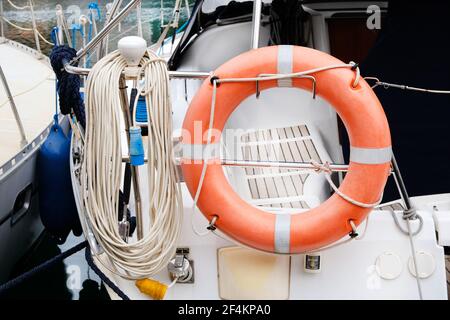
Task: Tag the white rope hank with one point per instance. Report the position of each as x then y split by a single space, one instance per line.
102 168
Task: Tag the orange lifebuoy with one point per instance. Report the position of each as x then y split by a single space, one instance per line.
362 115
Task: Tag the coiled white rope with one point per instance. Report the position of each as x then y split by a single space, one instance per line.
102 164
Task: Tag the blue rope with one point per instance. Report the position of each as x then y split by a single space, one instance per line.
102 276
57 259
42 267
76 27
68 84
94 6
54 35
183 26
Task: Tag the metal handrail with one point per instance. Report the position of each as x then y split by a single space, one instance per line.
265 164
106 29
23 141
103 48
256 23
35 30
172 74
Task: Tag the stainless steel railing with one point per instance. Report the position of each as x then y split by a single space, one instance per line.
23 141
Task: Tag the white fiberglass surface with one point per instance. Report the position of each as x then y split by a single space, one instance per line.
32 84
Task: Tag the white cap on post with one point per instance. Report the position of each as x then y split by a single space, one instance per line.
132 49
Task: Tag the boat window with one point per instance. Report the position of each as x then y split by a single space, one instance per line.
352 27
230 12
289 23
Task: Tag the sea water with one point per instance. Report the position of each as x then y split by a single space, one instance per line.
45 14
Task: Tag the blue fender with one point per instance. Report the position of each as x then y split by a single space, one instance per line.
56 201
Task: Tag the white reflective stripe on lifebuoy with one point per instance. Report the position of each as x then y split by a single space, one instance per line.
285 64
370 155
282 238
200 151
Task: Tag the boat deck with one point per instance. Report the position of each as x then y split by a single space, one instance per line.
32 84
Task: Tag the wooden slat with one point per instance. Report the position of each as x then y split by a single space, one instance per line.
295 182
250 171
273 186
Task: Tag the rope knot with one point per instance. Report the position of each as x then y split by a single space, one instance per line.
321 167
212 224
409 214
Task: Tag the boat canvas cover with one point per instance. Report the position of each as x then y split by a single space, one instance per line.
413 49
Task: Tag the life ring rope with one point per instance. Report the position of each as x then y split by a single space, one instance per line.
354 235
280 76
279 66
264 77
325 168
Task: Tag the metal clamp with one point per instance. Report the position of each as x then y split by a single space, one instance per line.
212 224
181 268
353 233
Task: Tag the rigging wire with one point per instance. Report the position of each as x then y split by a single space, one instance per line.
387 85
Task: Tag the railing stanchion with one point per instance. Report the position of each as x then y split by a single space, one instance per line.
23 141
35 30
